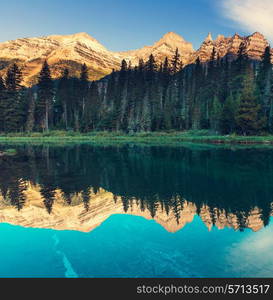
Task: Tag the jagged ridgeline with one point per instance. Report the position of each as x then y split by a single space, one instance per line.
226 92
225 182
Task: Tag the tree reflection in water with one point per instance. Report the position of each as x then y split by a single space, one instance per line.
223 186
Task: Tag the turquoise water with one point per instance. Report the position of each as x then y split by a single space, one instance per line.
130 246
160 183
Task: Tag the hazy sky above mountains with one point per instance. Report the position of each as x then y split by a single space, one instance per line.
123 25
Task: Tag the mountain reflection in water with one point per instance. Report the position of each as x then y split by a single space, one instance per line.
79 187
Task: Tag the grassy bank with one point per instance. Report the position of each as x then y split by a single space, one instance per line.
201 136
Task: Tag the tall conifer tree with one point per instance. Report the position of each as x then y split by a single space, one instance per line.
249 120
45 98
13 106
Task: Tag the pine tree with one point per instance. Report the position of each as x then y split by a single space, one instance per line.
216 112
241 63
13 78
45 99
165 82
168 112
197 91
151 66
152 107
2 85
106 111
212 70
208 89
91 114
30 117
17 193
227 119
128 121
225 79
118 113
270 117
248 119
166 67
141 65
13 105
123 67
48 195
264 81
61 104
176 62
84 84
86 199
238 69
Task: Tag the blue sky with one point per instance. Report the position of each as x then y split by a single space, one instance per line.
122 25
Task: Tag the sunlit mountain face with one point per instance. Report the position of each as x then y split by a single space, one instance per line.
71 51
80 187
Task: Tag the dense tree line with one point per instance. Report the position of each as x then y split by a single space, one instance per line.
225 95
138 175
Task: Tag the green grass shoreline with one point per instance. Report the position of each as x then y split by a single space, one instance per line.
199 137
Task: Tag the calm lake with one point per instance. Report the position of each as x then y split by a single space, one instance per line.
136 211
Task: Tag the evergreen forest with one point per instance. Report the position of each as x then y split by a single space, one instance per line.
228 95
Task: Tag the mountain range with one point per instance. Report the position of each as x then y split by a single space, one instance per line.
103 206
72 51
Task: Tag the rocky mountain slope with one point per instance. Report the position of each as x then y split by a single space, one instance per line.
60 51
255 45
165 47
103 205
73 50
